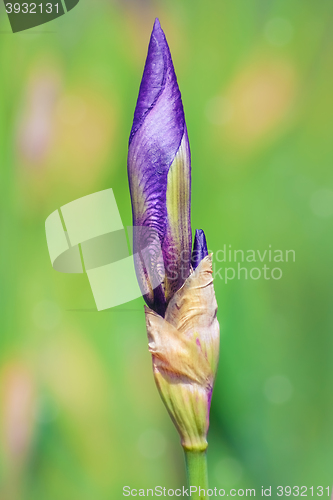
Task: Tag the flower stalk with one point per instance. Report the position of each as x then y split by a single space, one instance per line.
197 475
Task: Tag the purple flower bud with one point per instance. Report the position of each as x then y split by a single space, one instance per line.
199 248
159 170
182 326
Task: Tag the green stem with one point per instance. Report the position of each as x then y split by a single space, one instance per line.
197 476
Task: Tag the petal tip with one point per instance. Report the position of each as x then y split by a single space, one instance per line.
153 79
157 25
158 33
199 248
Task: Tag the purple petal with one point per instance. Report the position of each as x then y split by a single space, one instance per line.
199 248
158 140
154 75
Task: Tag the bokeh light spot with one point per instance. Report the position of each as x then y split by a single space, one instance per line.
278 389
218 110
152 444
279 31
229 471
322 203
46 315
71 109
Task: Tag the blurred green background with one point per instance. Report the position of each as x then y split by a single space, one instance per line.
80 416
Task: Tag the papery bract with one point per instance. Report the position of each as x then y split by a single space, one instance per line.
185 350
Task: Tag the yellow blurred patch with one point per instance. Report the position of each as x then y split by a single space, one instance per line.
84 131
65 142
257 102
